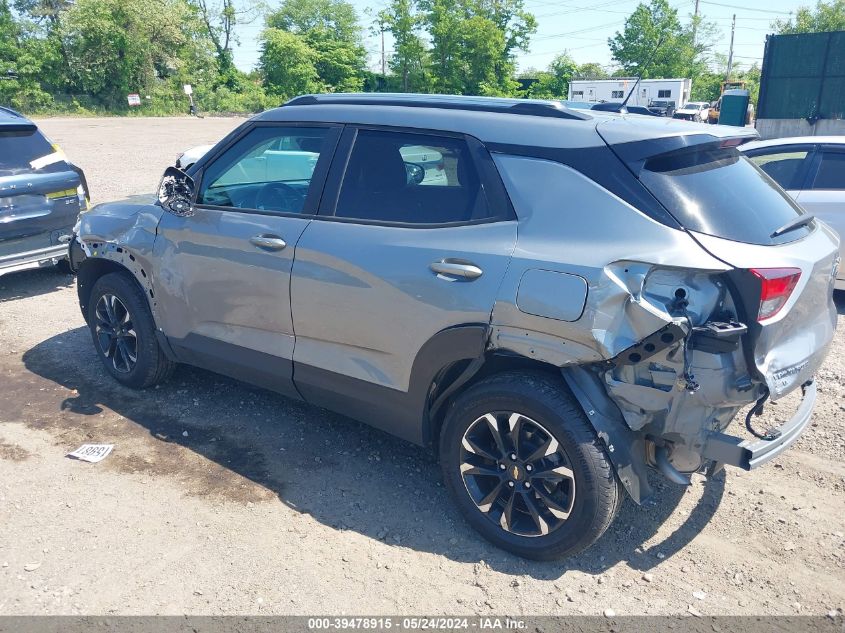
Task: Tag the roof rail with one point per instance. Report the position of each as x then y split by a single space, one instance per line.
475 104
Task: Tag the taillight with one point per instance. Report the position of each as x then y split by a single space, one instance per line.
777 285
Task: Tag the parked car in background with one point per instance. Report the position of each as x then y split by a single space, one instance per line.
186 159
693 111
548 362
713 112
41 195
662 107
812 170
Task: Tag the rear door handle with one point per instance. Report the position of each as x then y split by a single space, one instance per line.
456 270
270 242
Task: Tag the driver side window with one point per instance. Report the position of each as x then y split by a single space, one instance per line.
269 169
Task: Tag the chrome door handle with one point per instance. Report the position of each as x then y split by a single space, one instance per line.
270 242
456 270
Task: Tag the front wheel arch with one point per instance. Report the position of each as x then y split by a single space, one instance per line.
89 271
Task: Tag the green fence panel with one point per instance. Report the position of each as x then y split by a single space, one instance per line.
803 77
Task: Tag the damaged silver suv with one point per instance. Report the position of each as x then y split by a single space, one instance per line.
555 300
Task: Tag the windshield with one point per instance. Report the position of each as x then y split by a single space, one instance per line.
719 192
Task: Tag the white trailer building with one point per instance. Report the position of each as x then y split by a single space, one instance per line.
616 89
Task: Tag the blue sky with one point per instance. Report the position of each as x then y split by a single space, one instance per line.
583 26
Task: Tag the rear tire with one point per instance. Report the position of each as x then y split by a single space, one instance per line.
551 517
123 331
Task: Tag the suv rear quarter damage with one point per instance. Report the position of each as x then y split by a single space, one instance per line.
642 325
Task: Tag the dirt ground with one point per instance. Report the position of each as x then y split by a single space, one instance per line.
223 499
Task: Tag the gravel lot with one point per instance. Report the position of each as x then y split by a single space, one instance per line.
224 499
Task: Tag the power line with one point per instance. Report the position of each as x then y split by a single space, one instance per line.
598 7
735 6
579 31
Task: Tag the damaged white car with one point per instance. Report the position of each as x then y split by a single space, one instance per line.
575 299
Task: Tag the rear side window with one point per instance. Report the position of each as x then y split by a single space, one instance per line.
719 192
831 174
783 165
27 151
412 179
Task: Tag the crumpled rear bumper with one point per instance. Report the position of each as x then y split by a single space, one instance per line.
748 454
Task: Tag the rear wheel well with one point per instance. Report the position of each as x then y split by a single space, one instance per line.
493 364
89 272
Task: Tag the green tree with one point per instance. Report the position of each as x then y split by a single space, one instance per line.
591 70
473 43
48 11
410 59
330 28
220 19
653 43
119 46
288 64
707 86
826 16
554 83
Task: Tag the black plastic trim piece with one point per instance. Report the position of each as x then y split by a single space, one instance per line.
654 343
625 448
250 366
400 413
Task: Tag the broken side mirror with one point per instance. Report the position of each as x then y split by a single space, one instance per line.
176 192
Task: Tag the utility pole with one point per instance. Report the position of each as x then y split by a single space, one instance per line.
694 23
383 67
731 53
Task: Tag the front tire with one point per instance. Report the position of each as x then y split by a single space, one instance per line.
525 467
123 331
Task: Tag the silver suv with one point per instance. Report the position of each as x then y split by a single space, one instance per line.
555 300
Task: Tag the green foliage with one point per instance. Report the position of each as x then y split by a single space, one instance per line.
410 60
288 64
654 43
84 57
827 16
330 29
554 83
473 43
707 87
114 47
591 70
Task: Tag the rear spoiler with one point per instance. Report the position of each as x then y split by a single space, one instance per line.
635 154
634 144
22 126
